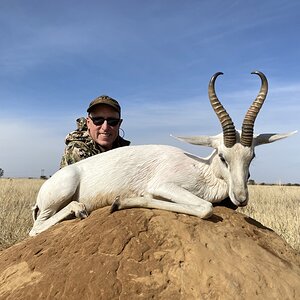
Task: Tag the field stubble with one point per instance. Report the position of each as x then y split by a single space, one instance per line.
276 207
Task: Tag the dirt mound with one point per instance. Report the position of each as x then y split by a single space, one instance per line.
144 254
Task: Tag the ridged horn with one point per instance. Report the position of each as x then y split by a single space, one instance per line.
226 122
248 123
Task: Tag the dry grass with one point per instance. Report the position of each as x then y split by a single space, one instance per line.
16 198
277 207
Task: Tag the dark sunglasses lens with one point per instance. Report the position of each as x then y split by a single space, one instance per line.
113 122
99 121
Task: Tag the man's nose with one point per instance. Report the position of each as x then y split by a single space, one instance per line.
104 125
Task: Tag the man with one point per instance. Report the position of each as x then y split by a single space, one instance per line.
98 133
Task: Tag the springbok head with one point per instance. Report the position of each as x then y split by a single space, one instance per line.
234 150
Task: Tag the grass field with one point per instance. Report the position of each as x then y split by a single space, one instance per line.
277 207
16 198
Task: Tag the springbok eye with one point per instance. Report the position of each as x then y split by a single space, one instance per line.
223 159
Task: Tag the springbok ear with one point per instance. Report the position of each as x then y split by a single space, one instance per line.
266 138
203 140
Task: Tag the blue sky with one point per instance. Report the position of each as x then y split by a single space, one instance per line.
156 58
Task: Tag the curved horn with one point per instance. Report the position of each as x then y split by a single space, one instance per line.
248 123
226 122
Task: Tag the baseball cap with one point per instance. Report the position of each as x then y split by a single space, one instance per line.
105 100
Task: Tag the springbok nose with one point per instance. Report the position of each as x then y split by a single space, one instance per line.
241 198
243 203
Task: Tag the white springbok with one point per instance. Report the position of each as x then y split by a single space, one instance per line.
159 176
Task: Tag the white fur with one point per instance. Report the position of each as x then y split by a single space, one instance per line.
154 176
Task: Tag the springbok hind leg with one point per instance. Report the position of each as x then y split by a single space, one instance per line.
42 222
148 202
180 196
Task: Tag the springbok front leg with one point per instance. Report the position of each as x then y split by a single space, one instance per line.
43 222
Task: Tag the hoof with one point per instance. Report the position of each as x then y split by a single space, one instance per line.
82 214
80 210
116 205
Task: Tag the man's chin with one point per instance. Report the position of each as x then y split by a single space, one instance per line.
107 145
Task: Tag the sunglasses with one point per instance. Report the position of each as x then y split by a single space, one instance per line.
100 120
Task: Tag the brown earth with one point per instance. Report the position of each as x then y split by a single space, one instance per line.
152 254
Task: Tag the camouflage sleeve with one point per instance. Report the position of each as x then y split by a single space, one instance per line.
74 152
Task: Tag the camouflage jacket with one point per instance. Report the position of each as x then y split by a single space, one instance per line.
79 145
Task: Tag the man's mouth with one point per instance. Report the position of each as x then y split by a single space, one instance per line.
106 134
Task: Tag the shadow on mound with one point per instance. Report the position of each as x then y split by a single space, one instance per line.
226 203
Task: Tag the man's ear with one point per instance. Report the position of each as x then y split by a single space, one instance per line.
88 122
